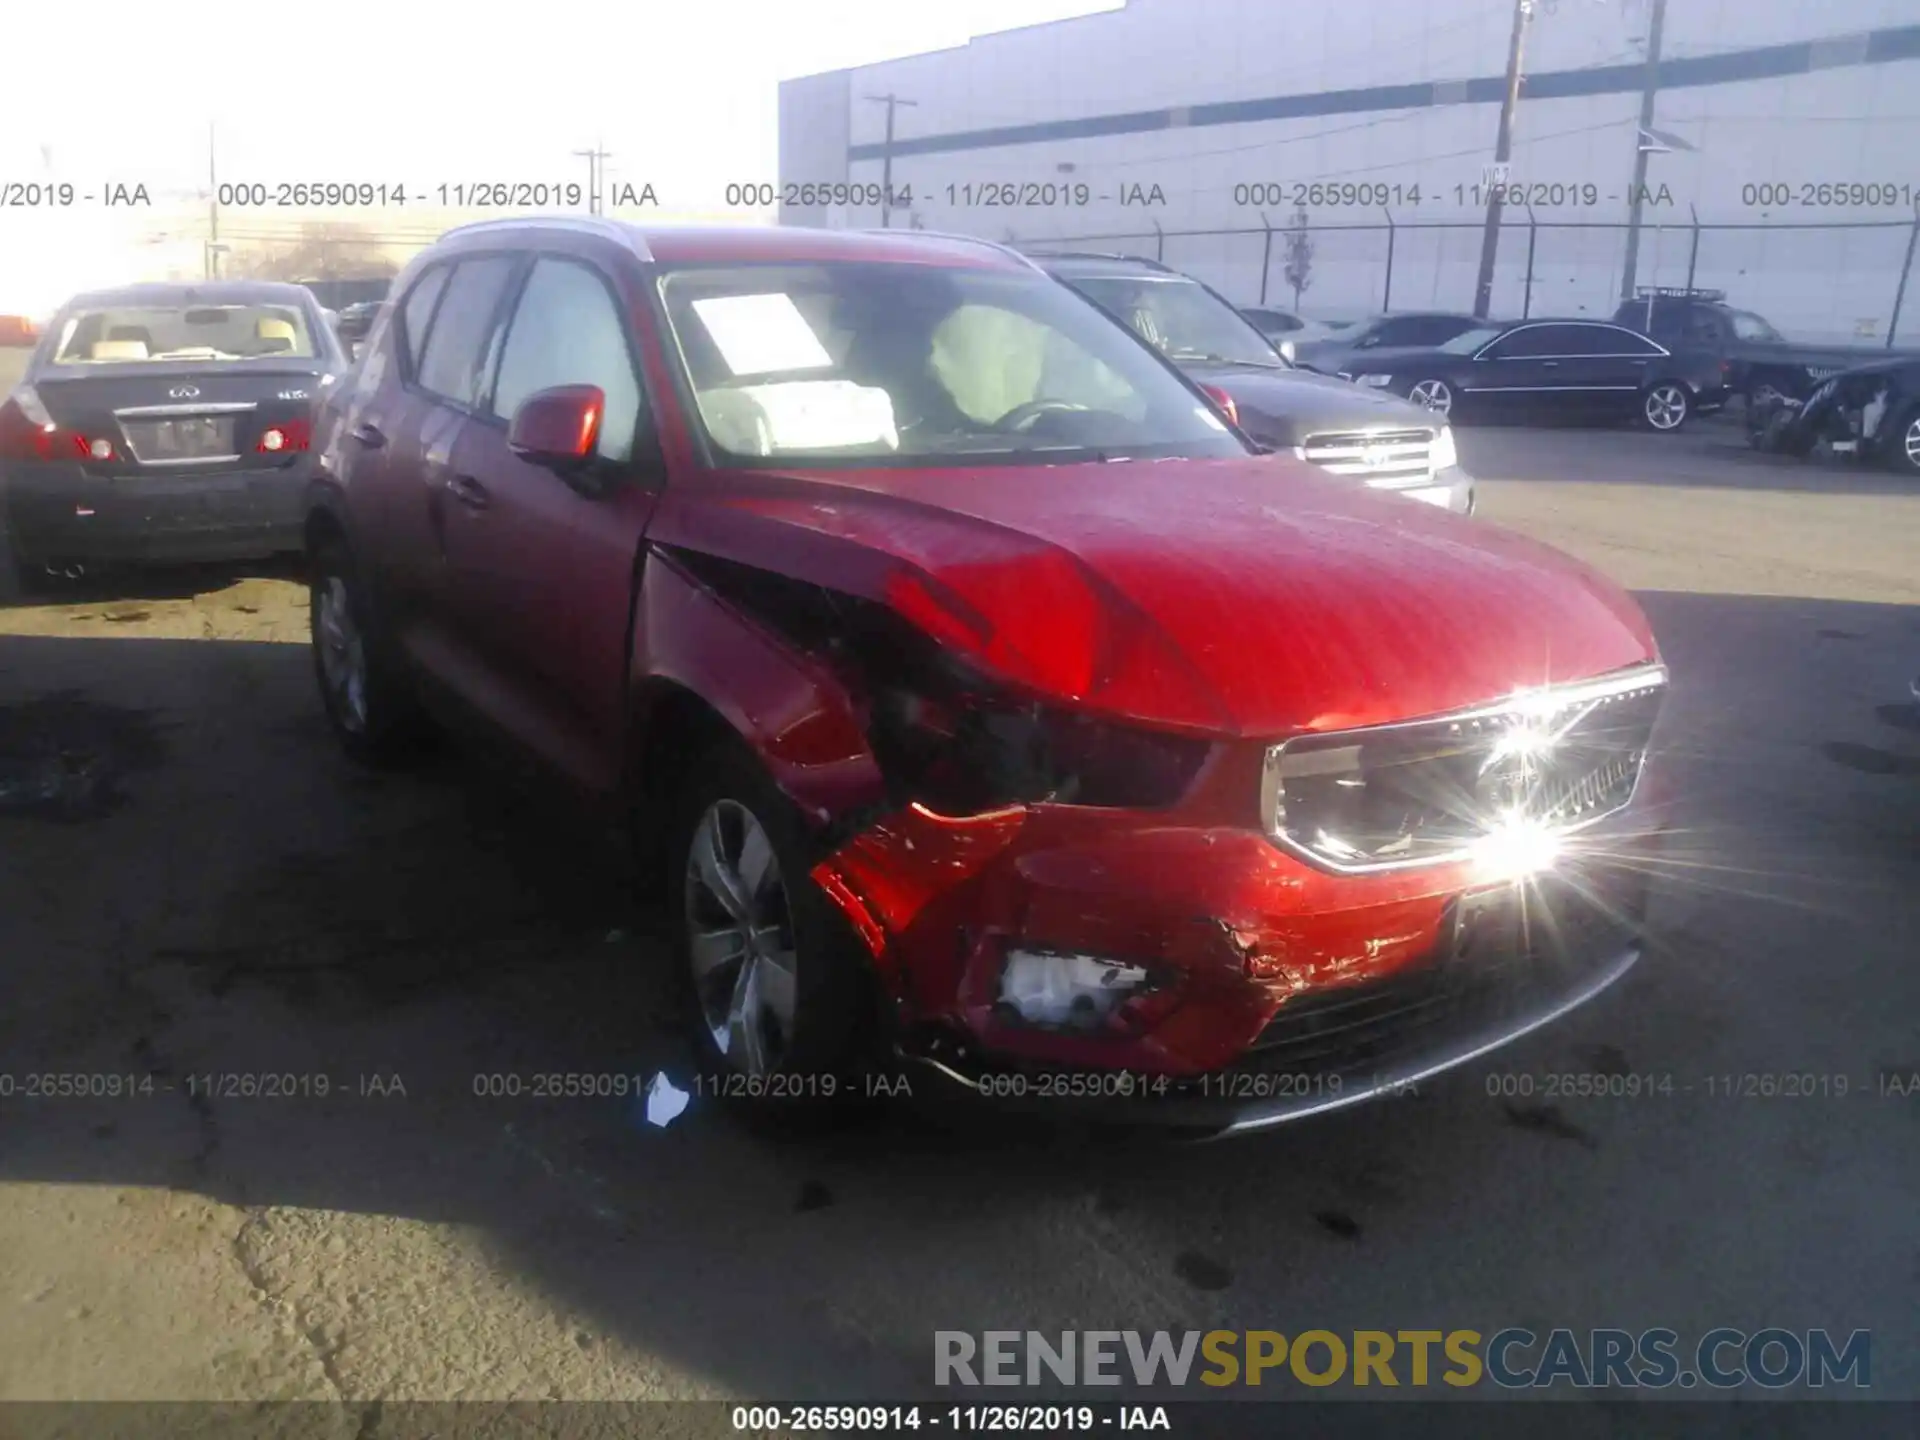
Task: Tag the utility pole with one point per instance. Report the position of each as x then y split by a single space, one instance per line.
1643 146
892 102
213 210
593 157
1502 152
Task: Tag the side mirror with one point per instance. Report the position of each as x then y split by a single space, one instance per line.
558 428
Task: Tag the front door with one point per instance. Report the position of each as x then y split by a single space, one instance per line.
541 570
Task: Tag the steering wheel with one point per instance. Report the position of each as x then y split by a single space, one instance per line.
1021 417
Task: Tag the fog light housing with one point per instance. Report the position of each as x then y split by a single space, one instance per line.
1058 990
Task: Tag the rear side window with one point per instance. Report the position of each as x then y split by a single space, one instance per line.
568 330
417 314
452 364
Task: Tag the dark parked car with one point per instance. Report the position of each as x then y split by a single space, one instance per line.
1330 423
1871 413
1333 353
1283 327
981 700
1760 361
165 422
1551 369
357 319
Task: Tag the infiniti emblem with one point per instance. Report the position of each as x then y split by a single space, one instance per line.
184 392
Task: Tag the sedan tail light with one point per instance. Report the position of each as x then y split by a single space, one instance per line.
285 439
29 432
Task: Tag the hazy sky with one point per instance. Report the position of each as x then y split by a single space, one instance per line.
682 93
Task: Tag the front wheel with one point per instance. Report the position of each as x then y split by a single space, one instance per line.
777 989
1665 406
1435 395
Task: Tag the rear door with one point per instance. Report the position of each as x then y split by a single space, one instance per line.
541 569
444 390
1617 365
376 442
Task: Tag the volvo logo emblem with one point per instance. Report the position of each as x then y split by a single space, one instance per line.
184 392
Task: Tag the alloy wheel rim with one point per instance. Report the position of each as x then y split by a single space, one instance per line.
1911 442
343 655
1666 407
1434 395
740 940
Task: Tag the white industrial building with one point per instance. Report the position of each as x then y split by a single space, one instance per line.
1796 120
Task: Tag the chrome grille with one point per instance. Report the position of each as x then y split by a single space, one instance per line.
1430 791
1380 457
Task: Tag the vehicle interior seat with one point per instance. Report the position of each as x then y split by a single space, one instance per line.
136 333
274 335
118 350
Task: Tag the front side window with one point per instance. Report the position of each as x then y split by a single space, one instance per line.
213 334
920 364
1181 319
567 330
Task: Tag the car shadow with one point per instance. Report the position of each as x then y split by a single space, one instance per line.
199 889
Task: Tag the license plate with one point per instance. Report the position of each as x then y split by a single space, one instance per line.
187 437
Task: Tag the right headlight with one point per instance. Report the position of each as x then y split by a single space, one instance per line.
1443 454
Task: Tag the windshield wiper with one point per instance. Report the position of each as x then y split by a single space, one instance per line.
1209 359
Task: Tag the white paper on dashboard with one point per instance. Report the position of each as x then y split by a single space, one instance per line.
801 415
761 334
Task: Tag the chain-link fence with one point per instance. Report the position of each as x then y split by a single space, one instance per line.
1834 282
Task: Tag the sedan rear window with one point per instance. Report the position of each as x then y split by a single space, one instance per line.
121 335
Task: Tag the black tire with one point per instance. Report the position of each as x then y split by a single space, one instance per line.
386 728
1665 406
826 1048
1903 443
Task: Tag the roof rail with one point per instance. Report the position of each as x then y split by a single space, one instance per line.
1678 292
583 224
1160 265
994 245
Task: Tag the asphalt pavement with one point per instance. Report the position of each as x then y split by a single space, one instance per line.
195 887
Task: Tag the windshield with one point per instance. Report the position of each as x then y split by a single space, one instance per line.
1180 318
1468 341
129 334
1748 326
897 363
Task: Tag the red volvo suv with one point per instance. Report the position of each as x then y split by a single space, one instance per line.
982 698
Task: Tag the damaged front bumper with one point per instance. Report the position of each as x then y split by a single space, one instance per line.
1264 989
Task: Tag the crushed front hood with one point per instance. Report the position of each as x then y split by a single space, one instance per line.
1235 597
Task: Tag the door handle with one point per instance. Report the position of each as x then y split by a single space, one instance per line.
369 436
468 491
